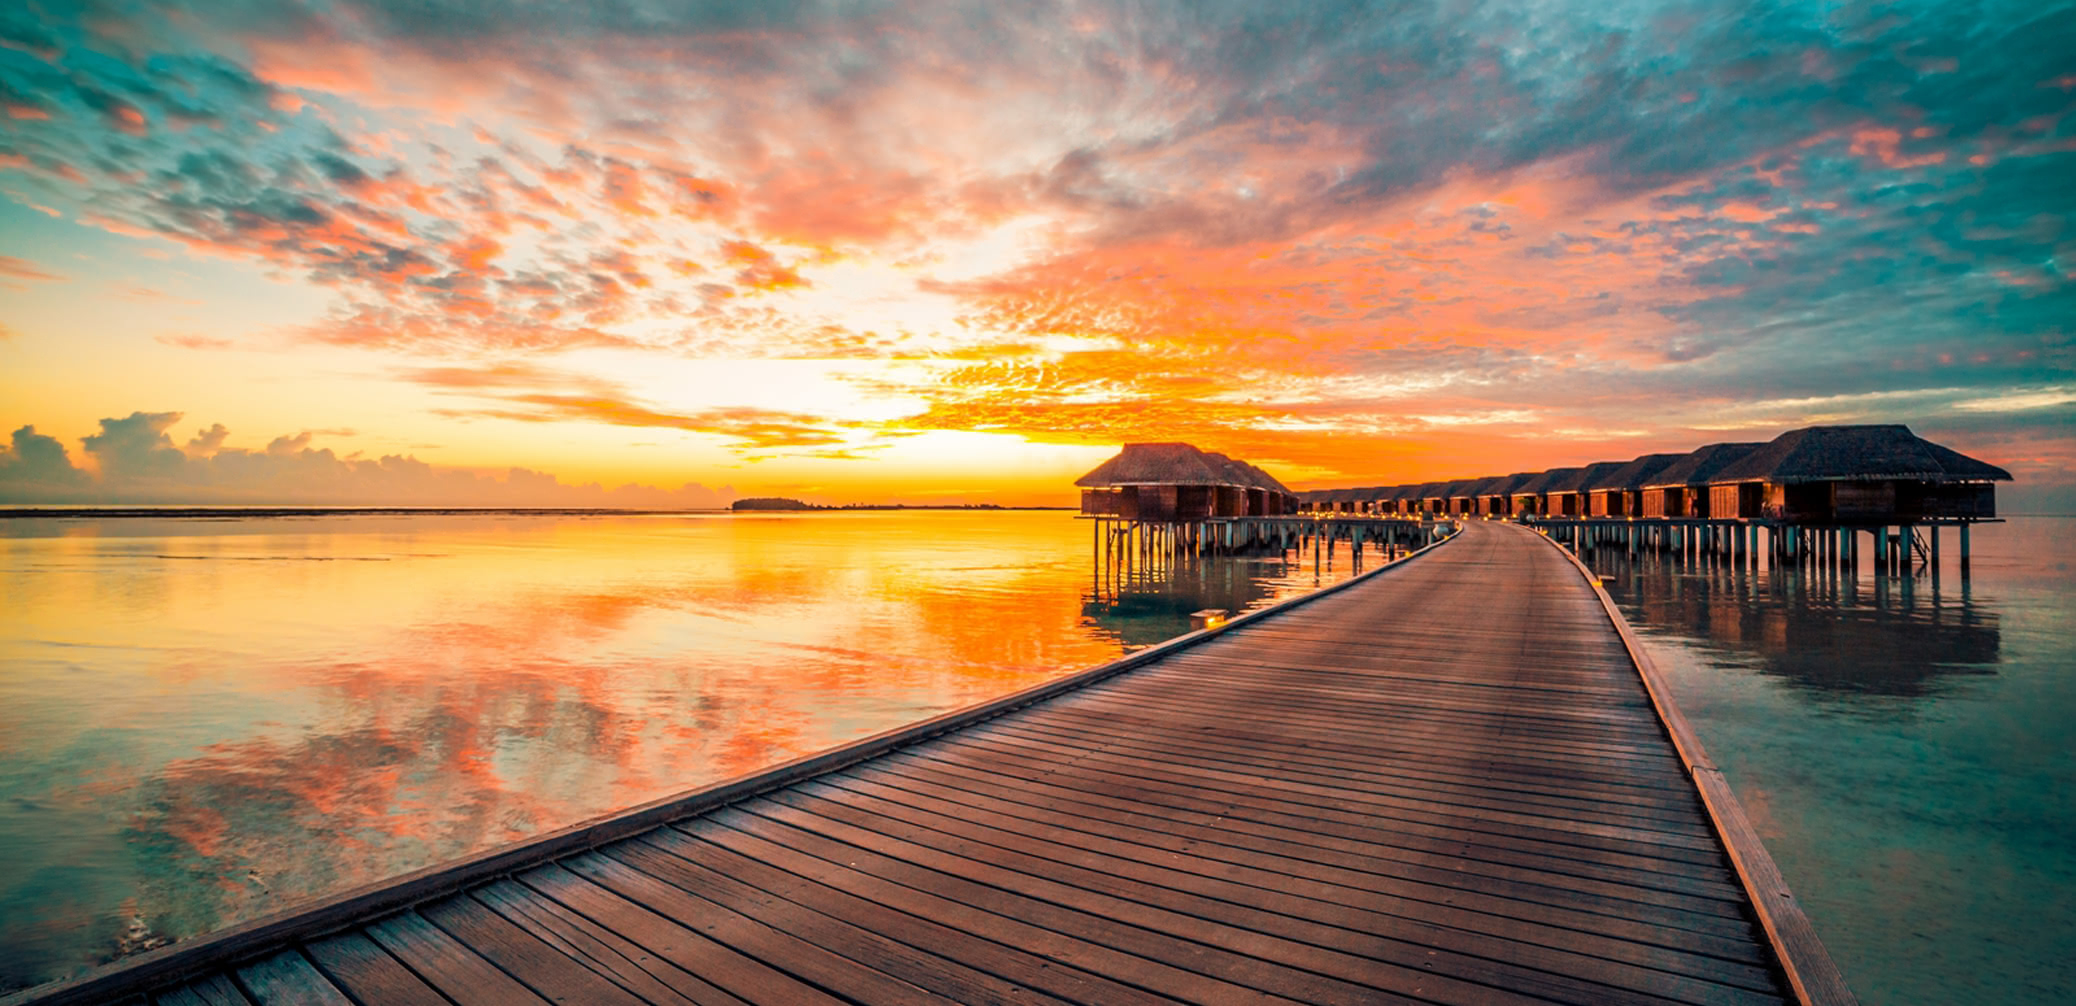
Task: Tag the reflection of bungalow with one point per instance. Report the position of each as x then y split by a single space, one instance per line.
1177 482
1681 489
1619 493
1853 474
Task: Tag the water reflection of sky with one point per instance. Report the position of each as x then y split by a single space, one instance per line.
202 720
1906 748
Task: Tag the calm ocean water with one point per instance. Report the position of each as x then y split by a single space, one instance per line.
1908 751
204 719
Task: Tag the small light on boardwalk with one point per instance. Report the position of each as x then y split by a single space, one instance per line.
1209 618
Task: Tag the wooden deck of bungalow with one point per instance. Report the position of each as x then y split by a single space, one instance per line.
1452 780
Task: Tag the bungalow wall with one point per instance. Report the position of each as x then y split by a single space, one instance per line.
1849 501
1099 502
1232 501
1663 502
1960 499
1158 503
1257 502
1742 499
1605 503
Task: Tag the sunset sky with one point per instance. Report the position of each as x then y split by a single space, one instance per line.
393 250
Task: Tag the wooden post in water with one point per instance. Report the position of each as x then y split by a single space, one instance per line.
1964 551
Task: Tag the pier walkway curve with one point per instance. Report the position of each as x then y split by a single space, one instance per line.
1449 781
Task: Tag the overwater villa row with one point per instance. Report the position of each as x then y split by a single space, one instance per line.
1819 475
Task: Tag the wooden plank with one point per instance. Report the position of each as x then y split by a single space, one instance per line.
1204 748
1394 749
218 990
1515 900
1319 940
367 973
446 964
1556 840
840 975
1385 802
1007 960
1478 763
1370 838
628 965
554 975
1288 972
674 940
1612 950
944 975
1429 864
285 978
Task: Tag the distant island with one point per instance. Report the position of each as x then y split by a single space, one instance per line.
770 503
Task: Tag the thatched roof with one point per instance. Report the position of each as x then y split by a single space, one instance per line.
1545 482
1265 480
1580 478
1472 488
1635 473
1240 473
1835 453
1700 467
1177 464
1506 485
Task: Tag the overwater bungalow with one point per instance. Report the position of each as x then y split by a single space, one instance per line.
1619 493
1681 488
1463 496
1531 498
1496 494
1432 498
1178 483
1855 475
1566 497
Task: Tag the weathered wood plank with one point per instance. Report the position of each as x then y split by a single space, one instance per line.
985 912
456 971
287 979
610 954
556 976
367 973
679 941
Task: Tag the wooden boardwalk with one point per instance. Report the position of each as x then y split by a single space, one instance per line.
1446 783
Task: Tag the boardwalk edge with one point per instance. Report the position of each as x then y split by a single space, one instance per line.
130 976
1810 971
